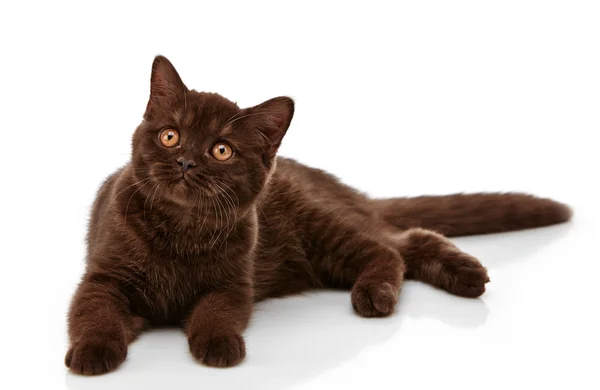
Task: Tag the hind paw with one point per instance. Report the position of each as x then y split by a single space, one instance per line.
463 275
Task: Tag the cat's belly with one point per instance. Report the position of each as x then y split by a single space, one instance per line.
282 268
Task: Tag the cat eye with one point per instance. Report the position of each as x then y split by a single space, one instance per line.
222 151
169 138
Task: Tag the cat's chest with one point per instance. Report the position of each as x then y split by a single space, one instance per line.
186 237
183 262
172 286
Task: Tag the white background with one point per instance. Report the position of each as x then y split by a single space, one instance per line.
396 98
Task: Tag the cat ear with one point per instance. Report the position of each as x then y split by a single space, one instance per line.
272 118
166 87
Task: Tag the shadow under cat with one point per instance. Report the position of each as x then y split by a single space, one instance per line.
502 249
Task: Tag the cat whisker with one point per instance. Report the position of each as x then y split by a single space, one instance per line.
148 196
260 134
129 201
228 188
221 219
205 216
111 201
215 231
154 196
129 186
233 116
231 206
245 116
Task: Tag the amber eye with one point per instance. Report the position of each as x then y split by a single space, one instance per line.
169 138
222 151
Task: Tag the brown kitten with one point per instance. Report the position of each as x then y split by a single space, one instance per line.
205 220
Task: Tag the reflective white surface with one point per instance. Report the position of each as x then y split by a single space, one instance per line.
396 98
536 326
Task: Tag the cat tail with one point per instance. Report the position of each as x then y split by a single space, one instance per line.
471 214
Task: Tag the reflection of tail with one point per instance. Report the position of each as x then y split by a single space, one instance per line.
470 214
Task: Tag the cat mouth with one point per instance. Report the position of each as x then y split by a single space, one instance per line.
187 186
184 177
184 181
181 184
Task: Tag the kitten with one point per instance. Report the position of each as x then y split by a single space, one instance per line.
205 220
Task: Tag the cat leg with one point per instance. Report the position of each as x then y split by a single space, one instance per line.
433 259
376 290
214 328
374 271
100 326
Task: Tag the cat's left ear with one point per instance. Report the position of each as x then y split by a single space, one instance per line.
166 87
272 118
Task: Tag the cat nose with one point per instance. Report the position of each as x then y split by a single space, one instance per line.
185 163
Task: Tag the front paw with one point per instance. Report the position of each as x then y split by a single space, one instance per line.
94 358
218 351
374 299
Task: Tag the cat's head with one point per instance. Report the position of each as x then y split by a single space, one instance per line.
196 145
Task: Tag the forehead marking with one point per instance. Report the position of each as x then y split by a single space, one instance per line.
227 130
177 117
183 118
213 126
189 118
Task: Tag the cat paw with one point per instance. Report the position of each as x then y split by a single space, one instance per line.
463 275
374 299
95 358
219 351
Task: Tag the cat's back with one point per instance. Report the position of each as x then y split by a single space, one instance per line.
299 182
299 196
305 200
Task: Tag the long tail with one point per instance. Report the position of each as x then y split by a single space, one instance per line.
471 214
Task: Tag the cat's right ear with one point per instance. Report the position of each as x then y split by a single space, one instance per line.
166 87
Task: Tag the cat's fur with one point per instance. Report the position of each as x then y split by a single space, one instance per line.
197 249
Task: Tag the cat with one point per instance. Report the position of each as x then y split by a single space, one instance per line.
205 220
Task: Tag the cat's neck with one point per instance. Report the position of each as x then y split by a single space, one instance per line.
183 228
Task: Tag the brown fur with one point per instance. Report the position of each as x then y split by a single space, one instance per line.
197 249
